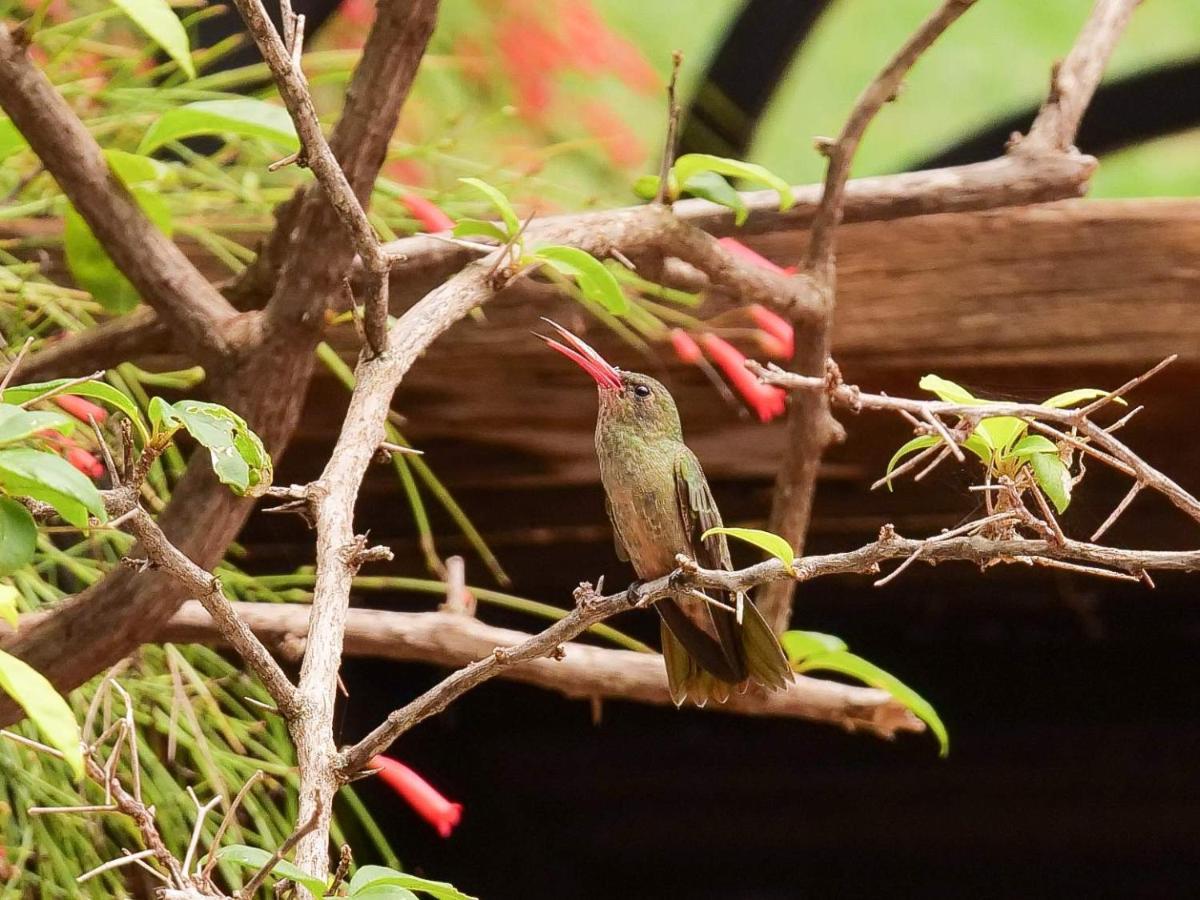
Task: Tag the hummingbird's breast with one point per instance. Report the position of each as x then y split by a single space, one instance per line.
639 479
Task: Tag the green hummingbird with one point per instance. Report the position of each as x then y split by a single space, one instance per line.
659 503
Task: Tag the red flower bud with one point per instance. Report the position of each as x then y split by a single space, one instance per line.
685 346
767 401
744 253
419 794
777 327
80 408
427 213
85 462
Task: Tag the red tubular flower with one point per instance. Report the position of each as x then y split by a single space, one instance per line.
767 401
427 213
419 794
685 347
85 462
740 250
81 408
777 327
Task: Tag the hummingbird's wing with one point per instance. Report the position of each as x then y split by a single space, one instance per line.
618 541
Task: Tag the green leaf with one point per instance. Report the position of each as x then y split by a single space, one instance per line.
17 424
468 227
385 892
998 432
764 540
947 390
1079 395
979 447
51 479
244 117
96 390
920 442
238 456
507 213
158 20
8 596
801 645
1033 443
711 186
11 139
691 164
372 876
646 187
597 283
89 263
1053 478
135 169
869 673
18 540
255 858
45 707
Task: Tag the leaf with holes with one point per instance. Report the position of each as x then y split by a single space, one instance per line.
691 164
712 187
238 456
97 390
45 707
856 667
161 25
1053 478
507 214
18 541
594 280
51 479
255 858
244 117
763 540
368 878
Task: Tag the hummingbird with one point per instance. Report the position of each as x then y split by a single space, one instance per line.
659 504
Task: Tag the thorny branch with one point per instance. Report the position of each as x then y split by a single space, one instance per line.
810 427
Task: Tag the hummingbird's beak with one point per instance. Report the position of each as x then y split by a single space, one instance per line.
583 356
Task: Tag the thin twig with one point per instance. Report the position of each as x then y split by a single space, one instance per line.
261 875
15 364
663 194
1116 513
230 815
115 863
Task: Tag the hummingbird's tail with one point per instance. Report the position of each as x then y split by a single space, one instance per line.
698 670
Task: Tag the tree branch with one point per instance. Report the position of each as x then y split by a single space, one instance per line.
103 346
159 270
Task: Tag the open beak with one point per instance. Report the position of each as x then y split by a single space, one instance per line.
583 356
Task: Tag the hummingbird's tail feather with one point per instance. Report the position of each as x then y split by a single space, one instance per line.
766 663
686 679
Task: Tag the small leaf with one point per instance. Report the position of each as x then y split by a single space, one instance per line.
238 456
16 424
998 432
646 187
51 479
244 117
869 673
11 139
507 213
802 645
89 263
134 169
979 447
711 186
920 442
18 541
97 390
158 20
764 540
8 595
377 876
947 390
255 858
385 891
1053 478
45 707
1033 443
469 227
1079 395
597 283
691 164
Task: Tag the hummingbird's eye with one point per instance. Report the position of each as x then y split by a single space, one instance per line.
642 390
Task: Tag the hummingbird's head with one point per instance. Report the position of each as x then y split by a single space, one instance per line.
628 400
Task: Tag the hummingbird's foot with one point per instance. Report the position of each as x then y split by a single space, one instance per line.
634 594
